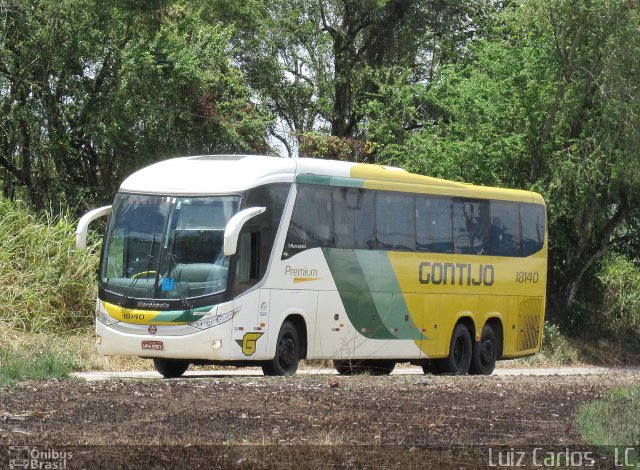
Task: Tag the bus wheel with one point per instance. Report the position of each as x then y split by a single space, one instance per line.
460 352
349 366
170 368
485 353
380 367
287 352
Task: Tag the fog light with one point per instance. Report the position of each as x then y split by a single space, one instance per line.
217 344
98 339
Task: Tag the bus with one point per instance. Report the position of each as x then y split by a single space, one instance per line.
256 260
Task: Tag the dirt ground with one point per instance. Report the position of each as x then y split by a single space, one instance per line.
398 421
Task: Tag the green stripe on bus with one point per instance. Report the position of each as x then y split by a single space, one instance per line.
370 294
307 178
355 294
387 295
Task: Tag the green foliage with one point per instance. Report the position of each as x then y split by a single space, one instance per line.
557 349
549 102
91 90
45 284
613 420
51 361
620 308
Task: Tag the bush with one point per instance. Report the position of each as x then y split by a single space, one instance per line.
556 347
620 310
557 350
45 283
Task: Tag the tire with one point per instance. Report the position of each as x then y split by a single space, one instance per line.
170 368
460 353
485 353
364 366
380 366
430 367
287 355
349 366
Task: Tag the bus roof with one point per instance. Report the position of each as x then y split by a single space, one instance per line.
223 174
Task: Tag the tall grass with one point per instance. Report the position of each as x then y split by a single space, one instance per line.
613 420
45 284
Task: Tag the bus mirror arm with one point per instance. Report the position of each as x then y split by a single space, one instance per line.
235 224
83 225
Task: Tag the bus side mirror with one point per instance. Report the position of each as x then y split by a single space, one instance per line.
83 225
232 230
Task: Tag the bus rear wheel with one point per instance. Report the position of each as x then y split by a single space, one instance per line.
485 353
460 352
380 366
287 355
170 368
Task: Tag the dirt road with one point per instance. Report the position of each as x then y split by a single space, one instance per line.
311 421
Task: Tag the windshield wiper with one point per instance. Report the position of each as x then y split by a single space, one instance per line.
145 270
172 266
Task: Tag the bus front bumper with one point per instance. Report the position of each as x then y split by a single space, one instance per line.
210 344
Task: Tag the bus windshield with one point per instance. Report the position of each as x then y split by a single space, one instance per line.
164 247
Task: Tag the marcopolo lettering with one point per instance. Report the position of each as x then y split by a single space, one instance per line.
456 274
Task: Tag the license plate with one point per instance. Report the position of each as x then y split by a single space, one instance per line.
153 345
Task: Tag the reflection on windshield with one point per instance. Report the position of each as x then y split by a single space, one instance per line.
160 247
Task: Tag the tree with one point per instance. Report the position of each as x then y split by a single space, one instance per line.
315 64
91 90
550 102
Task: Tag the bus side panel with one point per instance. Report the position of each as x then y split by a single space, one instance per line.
248 338
511 328
334 333
526 317
431 324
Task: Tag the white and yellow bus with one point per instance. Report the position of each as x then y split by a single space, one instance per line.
260 260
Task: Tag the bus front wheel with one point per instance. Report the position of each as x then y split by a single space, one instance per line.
170 368
485 353
460 352
287 355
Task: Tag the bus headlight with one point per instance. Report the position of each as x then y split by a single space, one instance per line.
105 318
209 322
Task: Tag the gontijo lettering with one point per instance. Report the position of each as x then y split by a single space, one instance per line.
462 274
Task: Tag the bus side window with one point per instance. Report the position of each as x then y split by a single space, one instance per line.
311 222
395 222
471 226
505 229
353 217
433 224
257 237
248 263
532 219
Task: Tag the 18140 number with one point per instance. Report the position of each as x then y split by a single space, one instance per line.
527 277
